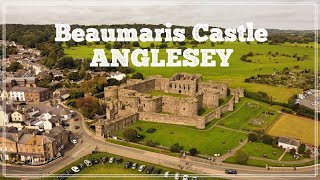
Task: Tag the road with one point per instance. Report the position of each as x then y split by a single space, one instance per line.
90 142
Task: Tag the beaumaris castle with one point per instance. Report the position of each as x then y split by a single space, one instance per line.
183 97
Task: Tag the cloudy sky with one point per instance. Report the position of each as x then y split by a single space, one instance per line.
280 14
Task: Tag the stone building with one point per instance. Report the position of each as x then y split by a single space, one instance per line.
183 96
27 94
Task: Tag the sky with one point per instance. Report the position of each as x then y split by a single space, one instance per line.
279 14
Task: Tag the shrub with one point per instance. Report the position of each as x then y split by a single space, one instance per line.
241 157
301 148
253 137
267 139
193 151
137 76
150 143
130 134
292 151
175 147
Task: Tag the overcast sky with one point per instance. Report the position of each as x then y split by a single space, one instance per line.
291 14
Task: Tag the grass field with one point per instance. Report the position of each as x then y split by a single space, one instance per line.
257 149
295 127
113 168
214 141
249 112
235 73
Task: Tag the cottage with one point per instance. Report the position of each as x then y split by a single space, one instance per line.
288 143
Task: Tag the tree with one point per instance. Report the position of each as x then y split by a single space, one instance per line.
65 62
89 106
130 134
267 139
293 151
241 157
193 151
14 66
113 82
301 148
150 143
75 93
137 76
175 147
253 137
73 76
82 72
307 154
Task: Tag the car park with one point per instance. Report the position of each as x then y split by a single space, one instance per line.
230 171
177 176
185 177
111 160
119 160
167 174
128 164
87 163
75 169
141 168
158 171
149 169
134 166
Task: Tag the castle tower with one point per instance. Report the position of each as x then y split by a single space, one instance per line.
111 92
111 111
99 129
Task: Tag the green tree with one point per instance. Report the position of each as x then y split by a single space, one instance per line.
267 139
241 157
253 137
175 147
14 66
66 62
137 76
193 151
130 134
301 148
73 76
293 151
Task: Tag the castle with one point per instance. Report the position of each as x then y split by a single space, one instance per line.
184 95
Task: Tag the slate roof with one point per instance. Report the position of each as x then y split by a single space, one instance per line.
290 141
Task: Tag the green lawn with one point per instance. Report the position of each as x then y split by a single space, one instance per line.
249 116
214 141
289 157
259 149
113 168
236 72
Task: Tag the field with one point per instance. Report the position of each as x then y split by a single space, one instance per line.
251 115
107 168
295 127
235 73
210 142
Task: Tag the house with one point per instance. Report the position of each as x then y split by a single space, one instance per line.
27 94
117 75
61 94
5 114
19 116
21 82
288 143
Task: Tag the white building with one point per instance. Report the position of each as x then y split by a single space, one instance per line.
17 96
288 143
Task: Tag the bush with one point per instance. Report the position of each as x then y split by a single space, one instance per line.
275 143
150 143
307 154
301 148
267 139
253 137
137 76
292 151
193 151
175 147
130 134
241 157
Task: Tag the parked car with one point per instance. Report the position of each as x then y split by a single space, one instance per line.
81 166
74 141
77 127
111 160
185 177
167 174
141 168
177 176
134 166
158 171
95 161
230 171
149 169
87 163
104 159
119 160
128 164
75 169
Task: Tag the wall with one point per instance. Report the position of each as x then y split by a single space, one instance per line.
121 123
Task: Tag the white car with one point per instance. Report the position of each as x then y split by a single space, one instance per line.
75 169
87 162
185 177
167 174
74 141
111 160
177 176
141 168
